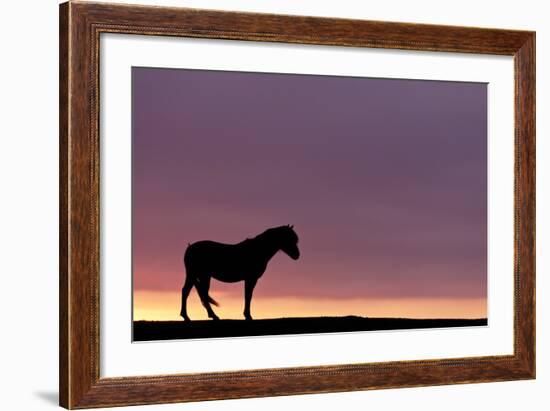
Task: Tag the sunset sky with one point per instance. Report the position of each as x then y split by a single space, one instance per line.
384 180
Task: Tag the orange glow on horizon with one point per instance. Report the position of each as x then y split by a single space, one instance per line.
165 306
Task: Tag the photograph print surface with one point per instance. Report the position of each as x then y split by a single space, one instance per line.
268 204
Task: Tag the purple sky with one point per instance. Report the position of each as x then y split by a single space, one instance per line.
384 180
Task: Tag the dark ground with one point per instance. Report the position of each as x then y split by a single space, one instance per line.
177 330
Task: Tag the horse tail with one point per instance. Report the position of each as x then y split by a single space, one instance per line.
212 301
191 274
205 296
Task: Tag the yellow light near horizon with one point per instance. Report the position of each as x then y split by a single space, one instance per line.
165 306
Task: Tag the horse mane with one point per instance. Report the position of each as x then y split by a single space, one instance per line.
273 234
284 231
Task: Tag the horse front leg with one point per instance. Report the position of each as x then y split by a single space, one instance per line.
249 285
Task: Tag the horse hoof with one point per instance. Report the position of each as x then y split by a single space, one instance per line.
186 318
215 318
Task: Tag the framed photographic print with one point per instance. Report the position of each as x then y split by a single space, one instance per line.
257 205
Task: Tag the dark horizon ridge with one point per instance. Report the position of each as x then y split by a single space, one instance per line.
144 330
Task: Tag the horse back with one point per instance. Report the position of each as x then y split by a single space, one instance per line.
226 262
208 254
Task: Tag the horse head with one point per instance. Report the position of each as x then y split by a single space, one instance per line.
288 241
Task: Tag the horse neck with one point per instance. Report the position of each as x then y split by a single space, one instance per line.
267 247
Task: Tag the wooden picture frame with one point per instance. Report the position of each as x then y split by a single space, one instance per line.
80 27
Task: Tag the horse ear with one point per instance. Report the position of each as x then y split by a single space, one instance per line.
291 225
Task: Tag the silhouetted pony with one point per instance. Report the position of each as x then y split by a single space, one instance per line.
230 263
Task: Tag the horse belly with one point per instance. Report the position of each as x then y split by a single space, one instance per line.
227 276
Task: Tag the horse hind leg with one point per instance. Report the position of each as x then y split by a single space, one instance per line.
189 282
203 285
